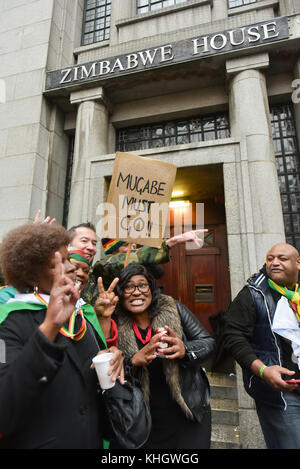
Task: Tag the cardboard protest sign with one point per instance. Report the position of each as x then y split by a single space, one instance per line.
138 199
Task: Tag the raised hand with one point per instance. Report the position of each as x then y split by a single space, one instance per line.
63 297
47 219
107 300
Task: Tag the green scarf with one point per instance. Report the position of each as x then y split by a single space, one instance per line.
292 296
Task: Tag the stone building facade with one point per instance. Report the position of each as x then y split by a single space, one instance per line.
209 85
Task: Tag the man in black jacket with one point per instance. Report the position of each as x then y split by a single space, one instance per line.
262 334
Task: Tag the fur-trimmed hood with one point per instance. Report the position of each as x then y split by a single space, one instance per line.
169 316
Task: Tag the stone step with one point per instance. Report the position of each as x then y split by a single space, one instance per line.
225 445
223 392
224 404
225 417
221 379
225 436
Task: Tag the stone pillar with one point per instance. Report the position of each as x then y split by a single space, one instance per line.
296 98
289 7
120 11
250 121
90 140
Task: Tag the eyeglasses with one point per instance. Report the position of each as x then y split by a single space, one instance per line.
142 288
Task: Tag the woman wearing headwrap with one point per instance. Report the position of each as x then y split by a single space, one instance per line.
82 267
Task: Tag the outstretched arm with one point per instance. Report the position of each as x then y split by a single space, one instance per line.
185 237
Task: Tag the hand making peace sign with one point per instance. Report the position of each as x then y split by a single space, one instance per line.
63 297
107 300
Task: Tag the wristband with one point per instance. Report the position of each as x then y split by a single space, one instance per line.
261 371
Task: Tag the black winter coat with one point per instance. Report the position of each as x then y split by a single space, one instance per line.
49 396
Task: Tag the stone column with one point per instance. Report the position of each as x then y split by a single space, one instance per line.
250 121
289 7
120 11
91 139
296 97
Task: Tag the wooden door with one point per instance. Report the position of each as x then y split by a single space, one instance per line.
199 278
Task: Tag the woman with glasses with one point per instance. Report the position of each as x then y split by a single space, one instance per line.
174 383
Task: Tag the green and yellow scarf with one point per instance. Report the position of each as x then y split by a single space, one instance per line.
293 297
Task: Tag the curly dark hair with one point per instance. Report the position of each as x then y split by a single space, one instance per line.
27 250
124 277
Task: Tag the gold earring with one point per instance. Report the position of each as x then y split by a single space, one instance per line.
36 290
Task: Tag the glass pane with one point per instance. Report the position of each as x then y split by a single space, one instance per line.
295 202
157 132
221 122
88 38
277 147
182 128
99 24
90 15
168 3
296 223
293 183
99 35
275 130
291 163
208 125
174 132
89 27
145 145
296 242
209 136
170 141
287 223
289 145
280 165
287 128
182 139
282 184
157 6
196 137
170 129
158 143
285 203
143 10
146 132
223 133
195 125
239 3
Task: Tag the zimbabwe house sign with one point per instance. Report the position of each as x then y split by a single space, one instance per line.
181 51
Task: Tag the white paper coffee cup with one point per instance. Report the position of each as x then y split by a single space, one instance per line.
102 366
